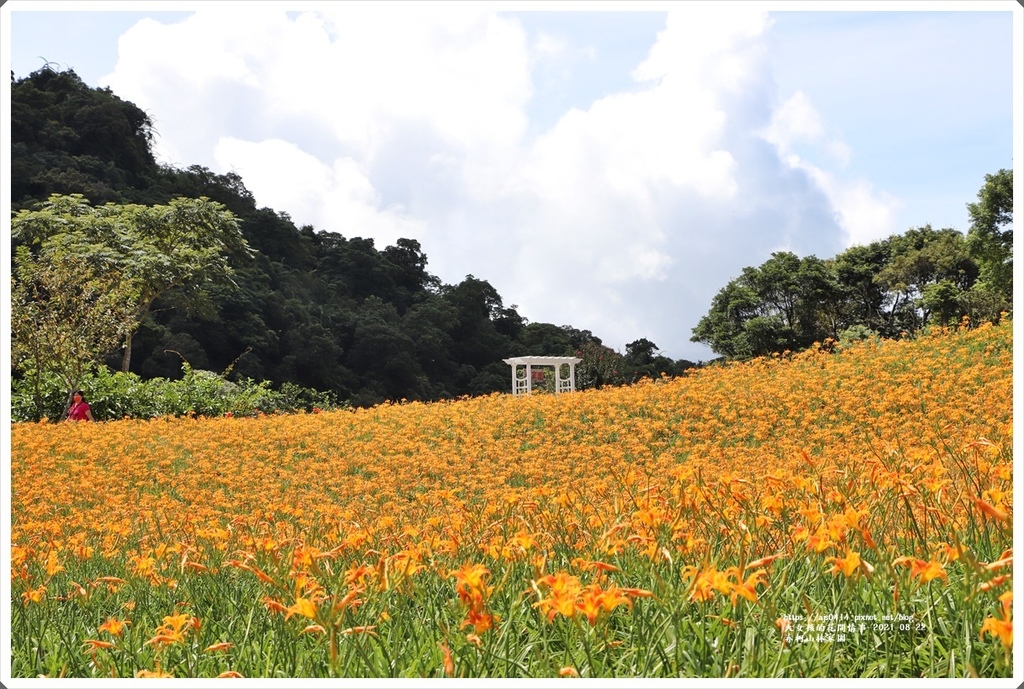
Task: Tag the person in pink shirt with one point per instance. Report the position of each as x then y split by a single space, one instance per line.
79 409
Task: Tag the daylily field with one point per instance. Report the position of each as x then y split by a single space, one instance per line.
844 514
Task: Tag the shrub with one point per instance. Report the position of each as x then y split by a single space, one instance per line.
118 395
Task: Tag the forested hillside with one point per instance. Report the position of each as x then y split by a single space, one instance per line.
307 306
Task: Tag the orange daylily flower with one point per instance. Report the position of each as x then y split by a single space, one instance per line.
748 588
301 606
847 565
221 646
53 565
364 629
481 621
273 605
991 511
35 595
114 627
165 639
447 663
919 569
994 582
764 561
94 644
1002 625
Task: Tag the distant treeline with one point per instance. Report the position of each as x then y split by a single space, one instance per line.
890 288
307 307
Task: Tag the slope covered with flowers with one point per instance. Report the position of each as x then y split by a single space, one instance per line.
845 514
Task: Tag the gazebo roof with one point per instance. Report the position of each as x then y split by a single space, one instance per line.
542 360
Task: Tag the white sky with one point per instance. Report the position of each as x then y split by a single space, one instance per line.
609 170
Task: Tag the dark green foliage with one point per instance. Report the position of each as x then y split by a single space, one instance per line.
69 138
890 288
990 244
115 395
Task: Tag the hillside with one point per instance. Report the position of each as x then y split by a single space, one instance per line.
874 481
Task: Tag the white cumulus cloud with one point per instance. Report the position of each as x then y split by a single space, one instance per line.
623 217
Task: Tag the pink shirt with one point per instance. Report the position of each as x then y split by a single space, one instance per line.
78 411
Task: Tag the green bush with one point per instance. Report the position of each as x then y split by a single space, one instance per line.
116 395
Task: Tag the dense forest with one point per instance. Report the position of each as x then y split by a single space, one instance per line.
312 308
300 305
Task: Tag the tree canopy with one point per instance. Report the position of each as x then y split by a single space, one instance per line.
892 287
184 245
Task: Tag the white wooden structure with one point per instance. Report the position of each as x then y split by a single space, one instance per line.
522 372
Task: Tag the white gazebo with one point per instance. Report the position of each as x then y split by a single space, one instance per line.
523 384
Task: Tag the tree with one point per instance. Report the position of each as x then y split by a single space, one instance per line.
785 303
65 314
599 366
990 238
926 269
67 137
153 249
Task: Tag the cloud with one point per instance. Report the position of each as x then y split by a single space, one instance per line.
798 134
327 194
624 216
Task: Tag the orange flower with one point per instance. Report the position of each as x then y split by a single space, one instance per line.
1001 626
764 561
273 605
613 596
365 629
700 587
563 590
591 603
349 600
480 620
748 589
179 621
114 627
847 565
94 644
470 584
165 639
927 571
990 511
919 569
995 581
173 629
77 590
35 595
302 606
221 646
52 564
447 664
999 564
